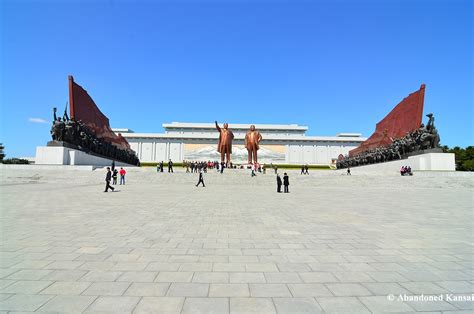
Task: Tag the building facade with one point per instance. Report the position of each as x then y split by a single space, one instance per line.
281 144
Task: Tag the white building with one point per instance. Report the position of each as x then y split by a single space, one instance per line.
281 144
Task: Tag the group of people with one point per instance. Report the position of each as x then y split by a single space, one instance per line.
195 166
258 168
200 167
286 183
304 169
406 171
112 174
160 166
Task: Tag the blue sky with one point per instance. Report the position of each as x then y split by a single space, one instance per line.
335 66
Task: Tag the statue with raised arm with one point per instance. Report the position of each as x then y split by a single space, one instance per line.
252 139
58 127
224 146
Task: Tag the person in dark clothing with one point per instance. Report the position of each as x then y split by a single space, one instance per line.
201 179
302 169
161 166
286 182
113 165
278 183
306 168
348 171
114 176
108 177
170 166
222 167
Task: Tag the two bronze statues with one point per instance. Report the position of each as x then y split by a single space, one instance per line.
224 146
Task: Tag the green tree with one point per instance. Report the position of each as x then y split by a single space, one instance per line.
2 154
464 157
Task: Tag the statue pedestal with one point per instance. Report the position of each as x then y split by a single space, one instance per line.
426 151
63 155
61 144
424 162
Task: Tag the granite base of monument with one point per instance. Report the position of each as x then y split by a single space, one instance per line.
63 155
424 162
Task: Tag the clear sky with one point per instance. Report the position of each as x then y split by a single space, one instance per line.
335 66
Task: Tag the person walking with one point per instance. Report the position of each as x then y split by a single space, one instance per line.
108 177
302 169
114 176
306 168
278 183
170 166
348 171
253 170
286 182
201 179
122 173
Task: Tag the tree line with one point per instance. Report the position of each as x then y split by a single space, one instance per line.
464 157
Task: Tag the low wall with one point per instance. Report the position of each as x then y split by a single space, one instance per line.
425 162
54 155
47 167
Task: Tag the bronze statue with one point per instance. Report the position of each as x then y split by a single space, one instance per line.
225 142
432 137
78 134
252 139
414 141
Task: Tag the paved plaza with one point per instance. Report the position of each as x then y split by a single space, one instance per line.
349 244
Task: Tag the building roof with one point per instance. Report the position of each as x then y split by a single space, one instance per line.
208 135
258 126
118 130
266 137
349 134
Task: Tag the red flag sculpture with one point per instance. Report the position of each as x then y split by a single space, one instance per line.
404 118
83 108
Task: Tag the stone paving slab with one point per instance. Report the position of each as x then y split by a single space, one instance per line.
336 243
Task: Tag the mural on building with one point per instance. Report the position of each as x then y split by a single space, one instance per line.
266 153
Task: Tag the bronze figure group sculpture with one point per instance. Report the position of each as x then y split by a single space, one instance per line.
224 146
78 135
420 139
